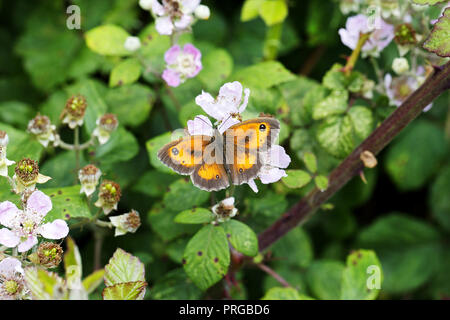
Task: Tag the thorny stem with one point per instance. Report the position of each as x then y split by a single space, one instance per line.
273 274
99 236
436 84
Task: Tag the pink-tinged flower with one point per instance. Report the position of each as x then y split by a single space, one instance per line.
274 161
228 105
12 283
173 15
398 89
201 125
25 225
381 34
181 64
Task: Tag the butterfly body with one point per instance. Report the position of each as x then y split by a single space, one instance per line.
214 161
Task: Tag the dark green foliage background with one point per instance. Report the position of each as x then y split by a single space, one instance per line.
403 213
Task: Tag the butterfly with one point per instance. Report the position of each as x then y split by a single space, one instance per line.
214 161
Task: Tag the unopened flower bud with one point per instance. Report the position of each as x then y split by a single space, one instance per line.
89 177
109 196
202 12
106 124
400 65
43 129
225 209
4 163
73 113
132 44
48 255
27 175
124 223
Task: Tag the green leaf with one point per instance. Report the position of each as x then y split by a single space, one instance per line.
123 267
125 291
427 2
408 249
362 120
335 103
194 216
92 281
362 278
310 161
324 278
67 203
437 41
241 237
217 66
21 145
296 178
273 12
207 256
175 285
154 183
126 72
107 40
415 155
61 168
335 79
250 9
131 104
184 195
122 146
439 200
153 147
16 113
72 262
335 135
263 75
44 285
321 183
294 249
285 294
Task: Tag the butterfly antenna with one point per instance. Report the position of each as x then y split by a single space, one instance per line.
204 121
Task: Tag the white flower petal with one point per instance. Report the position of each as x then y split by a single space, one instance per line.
253 185
8 238
227 123
8 211
10 266
207 103
189 6
27 244
57 229
164 26
40 203
271 175
201 125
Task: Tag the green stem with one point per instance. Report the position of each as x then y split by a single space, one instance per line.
76 144
355 54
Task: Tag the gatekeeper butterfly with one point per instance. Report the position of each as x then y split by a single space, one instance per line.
214 161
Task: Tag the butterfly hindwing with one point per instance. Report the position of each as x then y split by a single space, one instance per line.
210 177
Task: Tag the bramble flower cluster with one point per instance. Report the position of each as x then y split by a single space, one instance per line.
89 177
181 64
224 210
124 223
109 196
12 283
43 129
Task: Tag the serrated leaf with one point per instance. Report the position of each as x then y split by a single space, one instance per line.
437 41
125 291
335 103
362 120
72 261
207 256
296 178
67 203
21 145
439 199
185 190
107 40
154 183
362 277
123 267
194 216
241 237
427 2
294 249
321 182
92 281
335 135
284 294
44 285
273 12
126 72
175 285
310 161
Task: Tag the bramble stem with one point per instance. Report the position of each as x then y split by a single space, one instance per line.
434 86
76 144
273 274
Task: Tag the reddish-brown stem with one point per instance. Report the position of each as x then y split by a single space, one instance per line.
435 85
273 274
